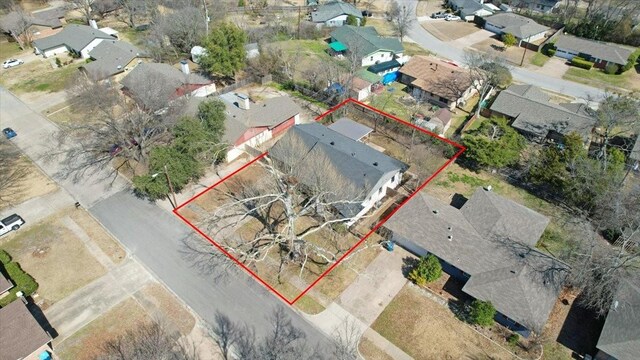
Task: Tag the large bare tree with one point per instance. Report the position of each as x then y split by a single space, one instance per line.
17 23
13 170
486 73
84 7
401 18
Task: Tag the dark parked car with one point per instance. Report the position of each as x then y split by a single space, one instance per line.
9 133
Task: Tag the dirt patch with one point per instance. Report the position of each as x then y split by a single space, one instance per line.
86 343
161 302
513 54
449 30
99 235
412 316
55 257
34 184
426 8
370 351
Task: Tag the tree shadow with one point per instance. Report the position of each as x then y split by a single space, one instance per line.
408 263
581 329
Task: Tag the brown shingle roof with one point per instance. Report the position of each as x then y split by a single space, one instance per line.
437 77
20 333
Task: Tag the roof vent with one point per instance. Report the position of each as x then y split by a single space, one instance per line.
435 211
375 163
119 67
449 237
353 154
512 271
615 305
332 143
449 228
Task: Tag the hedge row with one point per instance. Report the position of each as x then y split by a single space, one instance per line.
5 258
631 62
581 63
23 281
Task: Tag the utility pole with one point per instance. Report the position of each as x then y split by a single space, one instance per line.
525 52
173 193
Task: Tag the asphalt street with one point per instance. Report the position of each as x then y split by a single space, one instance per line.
152 235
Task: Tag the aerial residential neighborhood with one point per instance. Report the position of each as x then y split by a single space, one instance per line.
320 179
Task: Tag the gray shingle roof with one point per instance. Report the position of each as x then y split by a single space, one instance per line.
361 165
503 271
330 10
50 18
350 128
20 333
469 6
149 82
533 113
517 25
76 37
620 336
597 49
365 40
111 57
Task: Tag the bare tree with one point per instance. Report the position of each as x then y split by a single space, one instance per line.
148 341
84 7
486 73
104 7
17 23
401 17
227 334
346 338
183 27
13 169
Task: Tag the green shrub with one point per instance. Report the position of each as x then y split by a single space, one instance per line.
482 313
427 270
513 339
581 63
631 62
23 282
58 62
509 40
551 52
5 258
240 3
89 60
611 69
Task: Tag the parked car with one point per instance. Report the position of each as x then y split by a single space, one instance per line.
9 133
452 18
11 63
10 223
439 15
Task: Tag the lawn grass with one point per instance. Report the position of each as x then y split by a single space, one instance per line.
539 59
388 101
412 49
39 76
384 27
9 50
156 299
34 184
596 77
415 324
555 351
99 235
370 351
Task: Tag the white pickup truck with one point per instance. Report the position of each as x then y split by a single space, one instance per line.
11 222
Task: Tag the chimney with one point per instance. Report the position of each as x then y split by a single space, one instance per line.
243 101
93 24
184 66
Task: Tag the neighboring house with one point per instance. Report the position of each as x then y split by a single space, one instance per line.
21 337
77 39
488 245
532 114
542 6
367 45
251 124
153 85
112 57
469 9
28 27
601 53
366 174
5 285
523 28
335 13
620 337
362 84
436 81
439 123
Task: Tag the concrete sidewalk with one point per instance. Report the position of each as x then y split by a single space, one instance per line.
39 208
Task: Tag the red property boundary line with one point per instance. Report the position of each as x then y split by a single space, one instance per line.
176 211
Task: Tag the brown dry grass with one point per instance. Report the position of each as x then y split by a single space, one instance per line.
55 257
384 27
449 30
99 235
425 330
370 351
86 343
164 303
34 184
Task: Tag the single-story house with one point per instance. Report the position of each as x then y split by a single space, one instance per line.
153 85
620 337
367 45
351 129
523 28
251 124
335 13
488 245
541 6
533 115
26 27
601 53
469 9
78 39
112 57
362 174
437 81
439 123
21 336
361 85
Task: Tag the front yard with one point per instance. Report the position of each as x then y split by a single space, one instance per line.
39 76
426 330
33 184
629 80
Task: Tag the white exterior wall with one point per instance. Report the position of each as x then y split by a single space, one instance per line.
85 52
377 195
336 21
377 57
535 37
204 91
53 52
234 152
296 119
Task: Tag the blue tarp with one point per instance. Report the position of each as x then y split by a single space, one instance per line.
390 77
44 355
336 87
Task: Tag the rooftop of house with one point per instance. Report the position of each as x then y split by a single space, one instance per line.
516 25
437 76
50 18
365 40
606 51
267 113
351 129
5 284
20 333
488 238
156 82
74 36
467 5
533 113
111 57
620 337
333 9
362 168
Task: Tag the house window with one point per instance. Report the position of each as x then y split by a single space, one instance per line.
393 178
